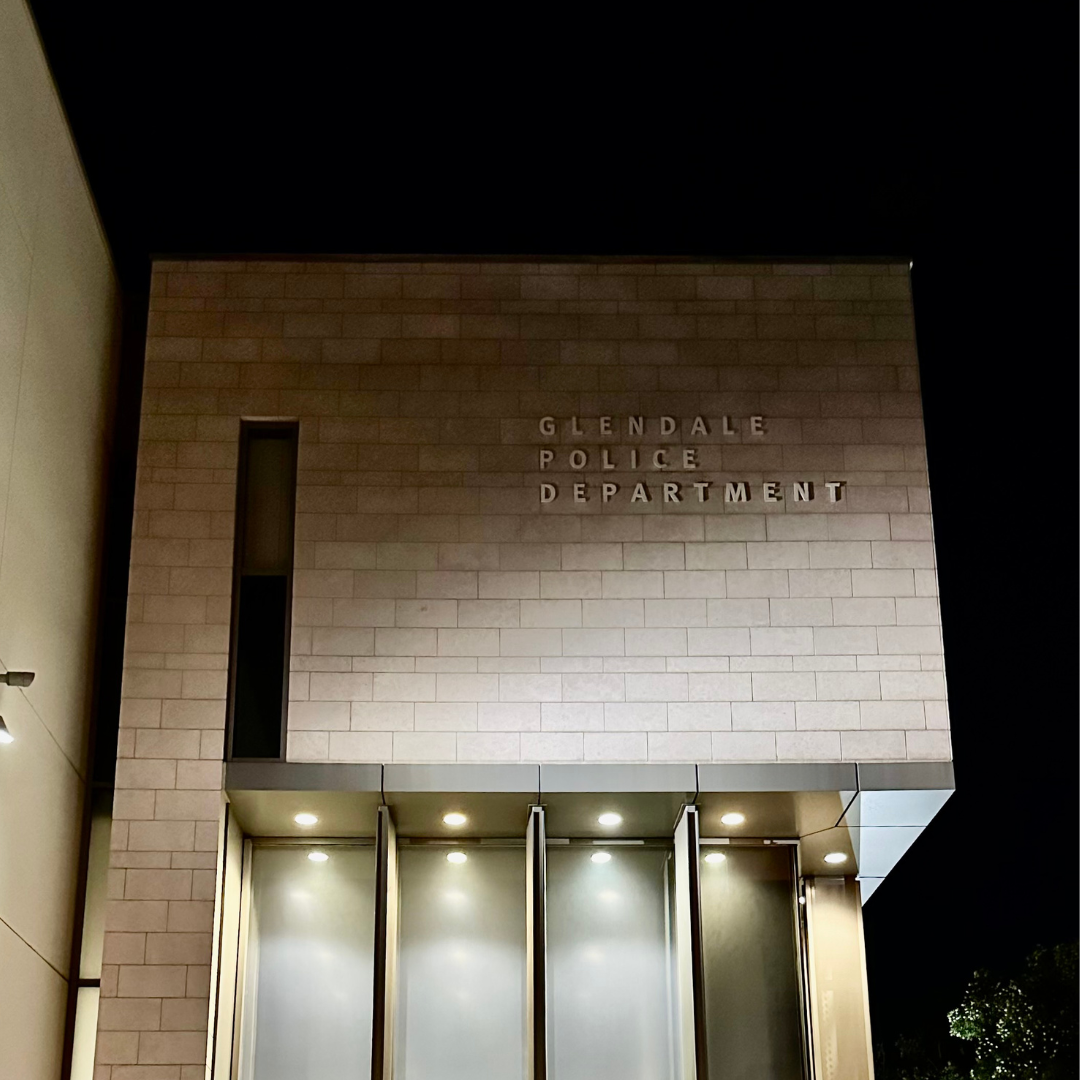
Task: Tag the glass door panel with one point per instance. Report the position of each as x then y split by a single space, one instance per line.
461 964
752 1002
610 963
309 965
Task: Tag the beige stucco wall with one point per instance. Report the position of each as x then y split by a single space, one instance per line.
57 301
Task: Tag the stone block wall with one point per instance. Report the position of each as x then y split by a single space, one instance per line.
444 612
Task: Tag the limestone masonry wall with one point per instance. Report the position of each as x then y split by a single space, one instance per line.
443 613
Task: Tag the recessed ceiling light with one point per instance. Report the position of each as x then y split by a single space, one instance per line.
835 857
306 819
318 856
601 857
715 857
457 857
732 818
454 819
610 818
5 735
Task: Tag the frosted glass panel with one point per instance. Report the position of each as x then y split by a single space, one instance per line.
611 977
97 887
752 1005
461 965
309 966
85 1037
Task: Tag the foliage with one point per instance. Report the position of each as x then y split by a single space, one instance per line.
1023 1028
1011 1027
916 1058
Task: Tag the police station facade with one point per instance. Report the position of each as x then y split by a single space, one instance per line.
531 668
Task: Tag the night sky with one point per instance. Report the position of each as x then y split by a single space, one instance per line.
890 132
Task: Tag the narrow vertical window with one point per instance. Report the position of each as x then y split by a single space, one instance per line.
262 590
88 990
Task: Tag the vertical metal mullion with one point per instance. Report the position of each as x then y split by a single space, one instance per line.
697 945
694 1044
219 934
241 960
239 519
536 916
802 954
233 901
386 910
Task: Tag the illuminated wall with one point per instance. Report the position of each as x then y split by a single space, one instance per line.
57 308
447 608
444 612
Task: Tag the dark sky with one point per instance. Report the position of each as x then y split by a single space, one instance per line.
888 131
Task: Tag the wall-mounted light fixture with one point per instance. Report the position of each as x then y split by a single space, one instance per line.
12 678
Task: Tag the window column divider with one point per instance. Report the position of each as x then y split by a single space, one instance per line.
690 946
242 939
802 945
386 947
536 921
